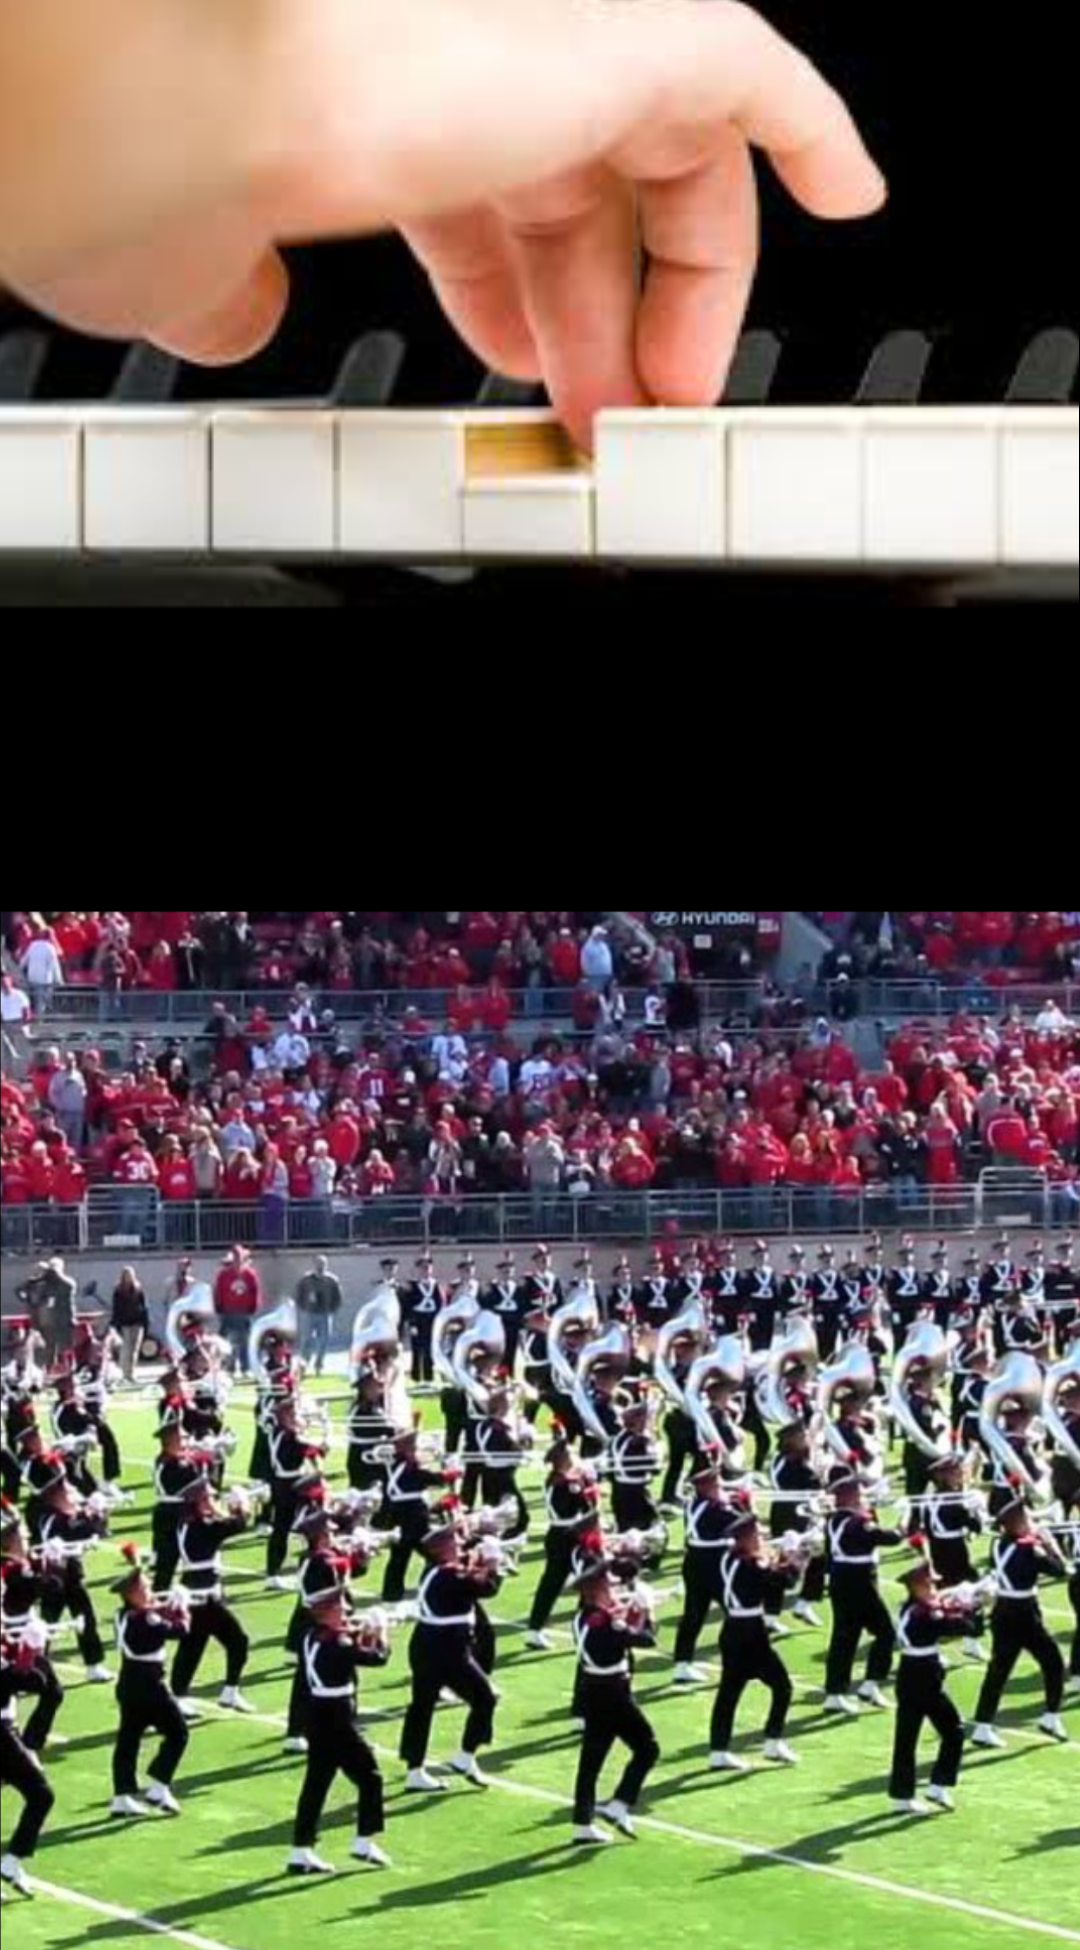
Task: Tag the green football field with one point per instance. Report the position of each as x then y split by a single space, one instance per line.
780 1859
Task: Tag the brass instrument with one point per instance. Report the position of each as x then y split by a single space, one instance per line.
692 1324
580 1311
1019 1381
796 1341
198 1305
724 1363
448 1324
927 1345
1063 1373
612 1347
852 1369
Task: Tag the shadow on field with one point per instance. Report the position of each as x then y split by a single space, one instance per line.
828 1845
1055 1838
476 1883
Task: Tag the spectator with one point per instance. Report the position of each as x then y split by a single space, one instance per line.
1051 1020
318 1302
67 1096
580 1175
137 1175
377 1176
942 1147
597 964
273 1197
237 1299
43 969
237 1134
207 1166
15 1010
161 969
130 1320
543 1159
242 1178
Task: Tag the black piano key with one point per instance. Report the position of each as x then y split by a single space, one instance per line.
753 369
22 360
498 390
370 371
147 377
1047 371
897 371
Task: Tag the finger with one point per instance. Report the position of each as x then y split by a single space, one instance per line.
575 245
701 234
469 261
231 324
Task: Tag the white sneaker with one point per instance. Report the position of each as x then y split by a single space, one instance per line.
779 1750
305 1862
983 1735
98 1675
974 1650
941 1797
365 1850
469 1766
128 1807
419 1781
912 1807
618 1814
233 1698
1053 1724
538 1641
729 1763
190 1708
804 1610
279 1584
777 1629
295 1743
159 1796
577 1721
12 1871
839 1703
871 1692
687 1675
56 1742
1072 1686
589 1833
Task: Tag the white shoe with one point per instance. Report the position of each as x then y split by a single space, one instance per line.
305 1862
839 1703
1053 1724
365 1850
469 1766
12 1871
190 1709
233 1698
538 1641
56 1742
986 1736
804 1610
941 1797
729 1763
159 1796
419 1781
618 1814
295 1743
974 1650
577 1722
687 1675
1072 1686
777 1629
128 1807
779 1750
871 1692
98 1675
583 1836
279 1584
912 1807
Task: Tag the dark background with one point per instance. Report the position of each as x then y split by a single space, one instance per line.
969 109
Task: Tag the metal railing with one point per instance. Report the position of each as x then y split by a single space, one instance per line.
127 1219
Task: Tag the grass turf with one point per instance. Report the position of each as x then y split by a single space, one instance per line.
494 1871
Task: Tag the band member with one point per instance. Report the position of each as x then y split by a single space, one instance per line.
924 1621
68 1529
999 1277
202 1534
904 1290
571 1497
826 1299
1019 1326
851 1284
967 1293
679 1427
75 1433
854 1542
24 1585
370 1428
1016 1427
20 1767
1064 1472
726 1289
794 1477
874 1277
936 1286
759 1294
748 1581
605 1631
273 1383
654 1296
10 1474
925 1412
96 1375
1021 1555
407 1509
619 1299
1033 1277
334 1648
708 1537
857 1428
422 1301
504 1298
38 1467
499 1444
21 1382
795 1286
175 1471
145 1627
441 1655
1072 1684
690 1285
541 1293
329 1561
949 1518
635 1460
970 1386
458 1409
293 1460
1063 1293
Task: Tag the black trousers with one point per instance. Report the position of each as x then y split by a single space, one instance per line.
259 1468
455 1666
916 1471
483 1641
299 1705
398 1559
610 1714
337 1747
455 1418
422 1366
858 1607
21 1769
164 1526
755 1426
147 1707
74 1598
700 1573
283 1512
632 1506
111 1466
951 1559
811 1589
364 1475
746 1654
558 1557
10 1476
1074 1600
214 1621
495 1484
682 1445
1016 1626
48 1703
921 1696
539 1380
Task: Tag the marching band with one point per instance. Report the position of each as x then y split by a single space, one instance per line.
760 1408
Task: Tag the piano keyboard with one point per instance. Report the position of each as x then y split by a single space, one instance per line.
888 482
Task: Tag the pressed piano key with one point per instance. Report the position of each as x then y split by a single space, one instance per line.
22 361
274 482
146 480
530 515
1040 486
794 485
40 479
370 371
660 484
931 485
1046 373
147 377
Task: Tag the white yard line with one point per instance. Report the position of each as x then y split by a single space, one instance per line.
117 1915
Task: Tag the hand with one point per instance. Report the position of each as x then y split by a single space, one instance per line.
523 149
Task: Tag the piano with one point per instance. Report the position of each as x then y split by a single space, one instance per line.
901 417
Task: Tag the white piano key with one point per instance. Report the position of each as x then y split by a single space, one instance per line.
40 478
146 480
402 474
931 485
795 485
660 485
274 482
1040 485
530 515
